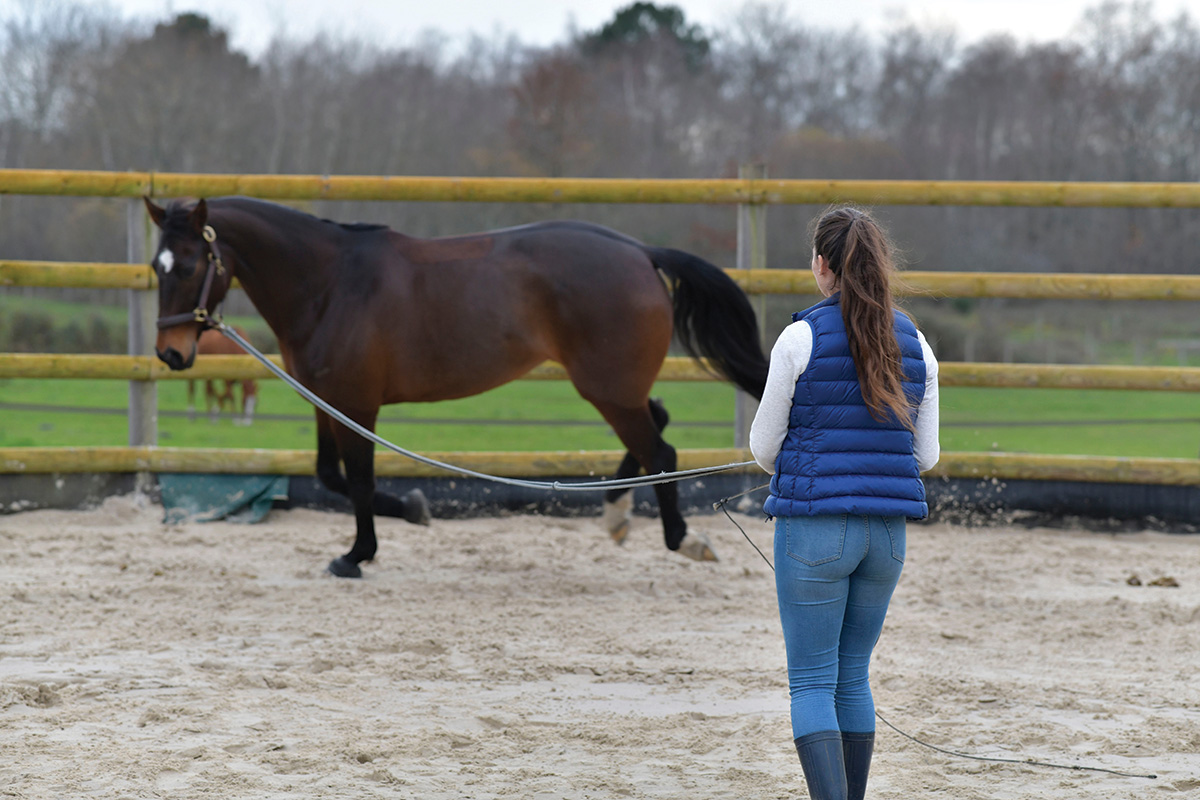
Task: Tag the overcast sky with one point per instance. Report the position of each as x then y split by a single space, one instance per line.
542 22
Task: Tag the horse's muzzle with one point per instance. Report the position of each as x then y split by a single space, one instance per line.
174 359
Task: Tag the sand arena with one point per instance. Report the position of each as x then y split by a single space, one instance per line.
524 656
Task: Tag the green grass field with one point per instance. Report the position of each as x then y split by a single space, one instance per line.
1052 421
1071 422
548 415
426 426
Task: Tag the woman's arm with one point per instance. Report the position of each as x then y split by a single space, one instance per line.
926 445
789 359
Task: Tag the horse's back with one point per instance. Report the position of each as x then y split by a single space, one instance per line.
581 255
476 311
546 263
569 227
533 238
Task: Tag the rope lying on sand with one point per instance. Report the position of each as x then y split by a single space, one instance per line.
721 505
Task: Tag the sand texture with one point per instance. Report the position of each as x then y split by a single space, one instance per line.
524 656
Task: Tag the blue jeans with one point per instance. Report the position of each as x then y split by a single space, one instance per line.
834 577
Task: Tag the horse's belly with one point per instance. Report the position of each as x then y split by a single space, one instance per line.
457 377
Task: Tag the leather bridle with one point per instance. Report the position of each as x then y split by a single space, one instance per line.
200 312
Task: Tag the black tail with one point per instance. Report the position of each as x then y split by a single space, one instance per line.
713 318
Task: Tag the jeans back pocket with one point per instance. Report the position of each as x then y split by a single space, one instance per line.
897 533
815 540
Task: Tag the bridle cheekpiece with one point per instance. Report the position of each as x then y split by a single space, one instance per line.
200 312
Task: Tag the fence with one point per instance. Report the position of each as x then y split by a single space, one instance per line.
750 193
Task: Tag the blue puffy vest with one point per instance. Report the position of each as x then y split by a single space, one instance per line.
836 457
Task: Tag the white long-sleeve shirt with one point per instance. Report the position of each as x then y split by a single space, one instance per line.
789 359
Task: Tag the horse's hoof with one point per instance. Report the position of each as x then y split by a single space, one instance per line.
416 507
342 568
697 547
618 515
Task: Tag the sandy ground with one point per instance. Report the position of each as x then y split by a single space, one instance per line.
530 657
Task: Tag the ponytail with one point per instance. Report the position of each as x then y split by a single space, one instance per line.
860 256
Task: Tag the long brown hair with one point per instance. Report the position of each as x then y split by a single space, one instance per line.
860 256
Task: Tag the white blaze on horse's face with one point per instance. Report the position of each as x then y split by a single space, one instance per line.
166 260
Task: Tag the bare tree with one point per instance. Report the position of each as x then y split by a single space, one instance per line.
916 64
174 100
550 132
760 61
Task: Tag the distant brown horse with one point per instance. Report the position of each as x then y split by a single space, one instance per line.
211 342
366 316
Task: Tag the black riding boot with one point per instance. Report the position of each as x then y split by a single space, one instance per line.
856 752
823 764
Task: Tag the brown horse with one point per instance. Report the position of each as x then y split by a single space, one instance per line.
366 316
211 342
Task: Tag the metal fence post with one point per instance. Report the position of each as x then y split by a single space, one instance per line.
751 254
143 395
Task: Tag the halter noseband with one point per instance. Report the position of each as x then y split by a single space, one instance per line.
200 312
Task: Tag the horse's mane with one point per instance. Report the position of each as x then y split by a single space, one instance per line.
178 210
356 227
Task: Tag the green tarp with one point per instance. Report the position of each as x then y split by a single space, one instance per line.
190 497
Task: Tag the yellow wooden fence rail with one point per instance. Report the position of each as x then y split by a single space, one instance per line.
1004 466
1044 376
79 183
1051 286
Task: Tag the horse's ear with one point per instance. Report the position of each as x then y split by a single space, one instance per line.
199 216
157 213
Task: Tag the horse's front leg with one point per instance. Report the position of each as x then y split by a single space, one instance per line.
412 506
358 456
329 461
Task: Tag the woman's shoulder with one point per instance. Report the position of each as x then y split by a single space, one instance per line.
826 306
798 331
901 316
931 362
794 342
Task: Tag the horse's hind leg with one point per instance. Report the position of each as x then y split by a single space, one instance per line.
693 545
249 400
618 503
639 431
245 413
212 401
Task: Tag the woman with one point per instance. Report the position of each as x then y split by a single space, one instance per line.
848 421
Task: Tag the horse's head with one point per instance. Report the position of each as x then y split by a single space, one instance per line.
191 279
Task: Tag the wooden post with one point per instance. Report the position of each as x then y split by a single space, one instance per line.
143 312
751 254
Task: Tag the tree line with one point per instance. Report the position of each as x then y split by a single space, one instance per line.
646 95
